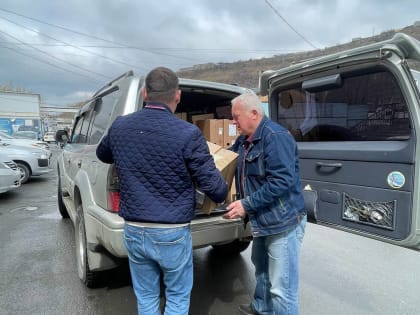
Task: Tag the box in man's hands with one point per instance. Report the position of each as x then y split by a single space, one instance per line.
225 161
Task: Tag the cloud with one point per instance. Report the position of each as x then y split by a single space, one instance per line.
74 47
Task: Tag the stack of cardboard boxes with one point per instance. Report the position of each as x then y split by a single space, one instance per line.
220 131
220 135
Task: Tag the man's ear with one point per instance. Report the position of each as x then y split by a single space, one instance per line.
144 93
178 97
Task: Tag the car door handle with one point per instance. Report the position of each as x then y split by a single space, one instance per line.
323 164
79 163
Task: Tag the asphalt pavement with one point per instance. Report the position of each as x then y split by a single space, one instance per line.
341 273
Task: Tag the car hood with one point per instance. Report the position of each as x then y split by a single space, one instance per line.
12 149
4 157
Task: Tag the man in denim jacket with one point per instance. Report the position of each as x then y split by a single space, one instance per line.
270 194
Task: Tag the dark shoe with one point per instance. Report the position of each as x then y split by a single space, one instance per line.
246 309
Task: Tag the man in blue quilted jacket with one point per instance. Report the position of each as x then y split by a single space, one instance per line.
270 193
159 159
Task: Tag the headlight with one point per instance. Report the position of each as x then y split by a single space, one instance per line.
40 155
3 165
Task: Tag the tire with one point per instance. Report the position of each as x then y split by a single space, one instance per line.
88 277
25 172
232 248
61 207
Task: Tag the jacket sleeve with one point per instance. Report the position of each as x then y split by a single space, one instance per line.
280 155
104 152
203 171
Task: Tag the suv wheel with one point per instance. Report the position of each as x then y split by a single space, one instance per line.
61 206
25 172
232 248
88 277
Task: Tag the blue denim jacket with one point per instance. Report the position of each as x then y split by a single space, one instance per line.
272 193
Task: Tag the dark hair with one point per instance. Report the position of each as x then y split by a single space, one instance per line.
161 84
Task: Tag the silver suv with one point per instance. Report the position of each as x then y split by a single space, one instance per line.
356 118
88 190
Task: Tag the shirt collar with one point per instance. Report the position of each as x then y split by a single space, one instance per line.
157 105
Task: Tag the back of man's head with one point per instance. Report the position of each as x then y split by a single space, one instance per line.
161 85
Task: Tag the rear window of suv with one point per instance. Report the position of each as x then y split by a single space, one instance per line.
365 107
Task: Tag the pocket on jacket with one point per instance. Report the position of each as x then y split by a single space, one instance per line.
255 164
267 218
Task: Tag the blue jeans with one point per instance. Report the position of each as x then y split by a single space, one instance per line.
276 261
155 250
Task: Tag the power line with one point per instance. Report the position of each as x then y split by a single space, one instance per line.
215 50
52 65
56 58
288 24
94 37
67 44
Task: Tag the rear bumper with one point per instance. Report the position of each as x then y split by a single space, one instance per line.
108 230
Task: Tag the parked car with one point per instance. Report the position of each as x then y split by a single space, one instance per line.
25 135
355 116
5 138
49 137
30 161
88 190
9 173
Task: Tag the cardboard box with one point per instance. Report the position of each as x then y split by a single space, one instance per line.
212 129
195 118
232 192
182 115
230 133
225 161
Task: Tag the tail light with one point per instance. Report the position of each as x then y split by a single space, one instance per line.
113 190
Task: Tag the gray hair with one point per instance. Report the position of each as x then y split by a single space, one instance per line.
249 101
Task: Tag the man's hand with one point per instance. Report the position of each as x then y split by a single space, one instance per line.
235 210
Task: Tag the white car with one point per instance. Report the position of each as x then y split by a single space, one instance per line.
49 136
6 138
9 174
30 161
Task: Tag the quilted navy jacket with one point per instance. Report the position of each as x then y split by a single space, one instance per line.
159 158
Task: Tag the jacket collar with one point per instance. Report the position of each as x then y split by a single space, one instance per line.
258 131
158 105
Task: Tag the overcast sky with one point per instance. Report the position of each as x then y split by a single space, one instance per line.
65 50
